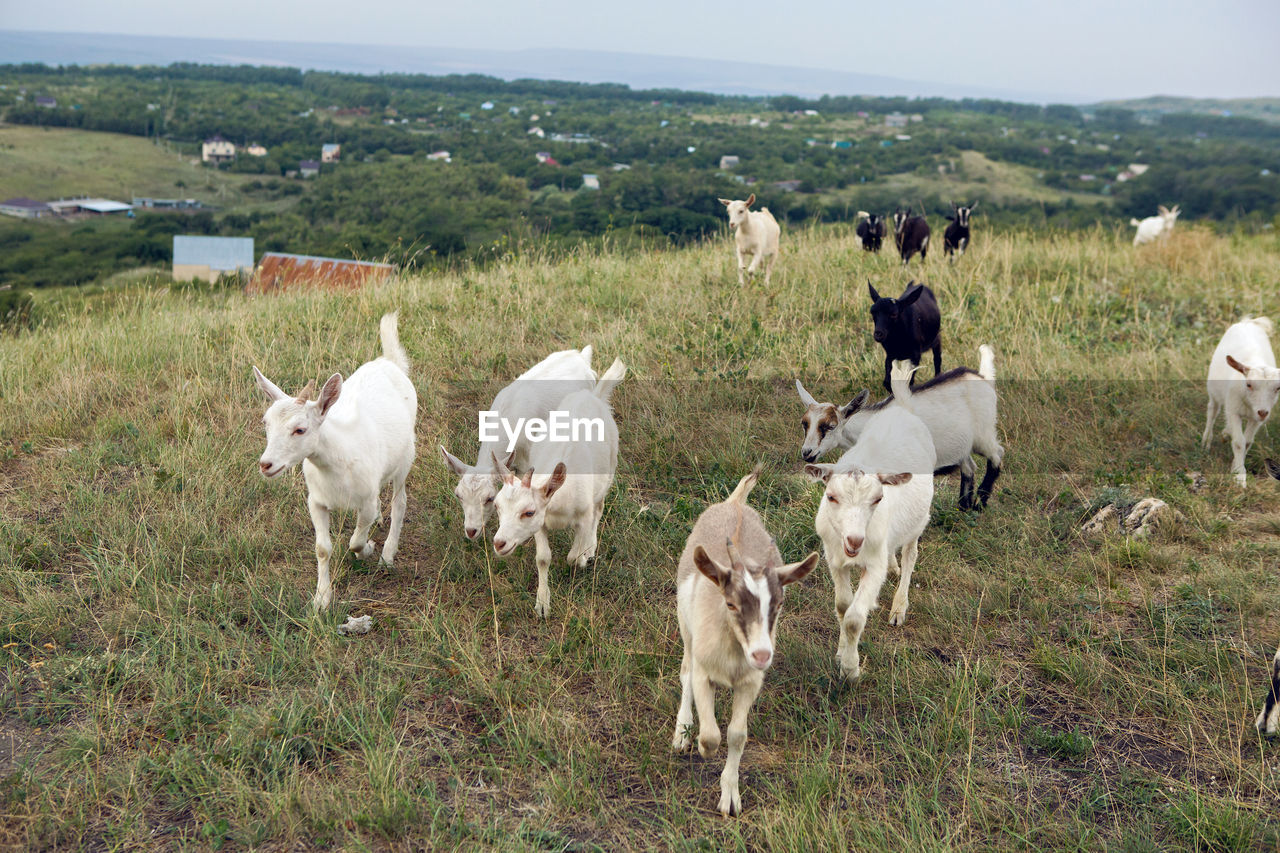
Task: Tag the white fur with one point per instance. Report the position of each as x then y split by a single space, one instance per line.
716 649
757 235
862 520
354 440
564 487
1268 723
1155 227
1245 399
533 394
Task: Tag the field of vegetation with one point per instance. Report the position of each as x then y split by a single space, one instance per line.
164 685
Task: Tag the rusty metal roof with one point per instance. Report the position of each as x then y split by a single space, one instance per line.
280 271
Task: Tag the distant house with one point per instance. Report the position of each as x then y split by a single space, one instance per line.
330 152
94 206
217 150
728 161
168 203
545 157
487 105
842 143
308 168
208 258
895 119
24 208
515 111
903 137
538 132
620 167
256 150
440 155
788 186
591 182
280 271
46 102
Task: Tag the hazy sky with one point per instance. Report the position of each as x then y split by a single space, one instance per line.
1096 48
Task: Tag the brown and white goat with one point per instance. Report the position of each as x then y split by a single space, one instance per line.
729 589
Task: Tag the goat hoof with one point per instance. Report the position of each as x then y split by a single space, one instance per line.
367 551
320 601
680 743
385 562
898 618
707 745
730 804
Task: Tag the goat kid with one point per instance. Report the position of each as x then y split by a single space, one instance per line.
352 441
956 238
1155 227
911 234
729 589
1243 385
570 493
1268 721
757 235
871 232
533 394
875 502
907 326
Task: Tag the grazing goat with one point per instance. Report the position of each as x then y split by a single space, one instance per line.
871 232
352 441
876 501
907 326
958 407
571 490
729 589
757 236
1153 227
911 234
1268 721
531 396
956 238
1246 399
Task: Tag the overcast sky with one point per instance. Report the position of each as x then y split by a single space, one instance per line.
1094 48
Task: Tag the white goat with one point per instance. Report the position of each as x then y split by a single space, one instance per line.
352 441
1153 227
532 395
876 501
1243 384
958 407
757 236
571 490
1268 721
729 591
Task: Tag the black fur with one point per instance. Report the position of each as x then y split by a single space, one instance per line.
871 232
911 234
907 326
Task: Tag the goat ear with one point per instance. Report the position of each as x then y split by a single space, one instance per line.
329 393
1235 365
819 473
805 396
973 207
268 387
793 572
875 297
710 569
855 404
912 294
894 479
751 199
1161 209
726 202
503 471
557 480
455 464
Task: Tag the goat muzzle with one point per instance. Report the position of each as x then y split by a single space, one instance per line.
1262 414
852 545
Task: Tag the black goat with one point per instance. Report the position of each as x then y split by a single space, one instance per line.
907 326
911 233
956 237
870 232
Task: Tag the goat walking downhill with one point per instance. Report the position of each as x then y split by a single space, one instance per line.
532 395
871 232
1157 227
729 590
353 440
570 491
911 234
955 239
1243 385
907 326
875 502
757 235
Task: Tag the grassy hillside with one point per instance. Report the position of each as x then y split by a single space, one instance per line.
50 163
164 685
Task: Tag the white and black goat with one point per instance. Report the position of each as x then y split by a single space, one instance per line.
352 441
1268 721
910 234
729 590
958 407
956 238
907 326
871 232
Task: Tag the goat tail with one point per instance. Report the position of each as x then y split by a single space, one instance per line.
745 485
391 349
612 376
987 363
1263 323
1133 220
900 382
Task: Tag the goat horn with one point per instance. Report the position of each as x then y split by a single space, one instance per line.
308 391
735 559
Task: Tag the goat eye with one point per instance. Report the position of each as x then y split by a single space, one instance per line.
300 431
528 513
732 607
832 498
876 501
488 501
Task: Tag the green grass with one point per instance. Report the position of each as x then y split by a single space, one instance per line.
164 686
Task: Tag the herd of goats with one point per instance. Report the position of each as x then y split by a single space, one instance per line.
356 437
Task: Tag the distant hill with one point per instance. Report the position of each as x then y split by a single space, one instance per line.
1267 109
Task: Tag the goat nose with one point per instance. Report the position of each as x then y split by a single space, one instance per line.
852 545
264 466
762 657
471 532
878 336
499 545
1262 414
